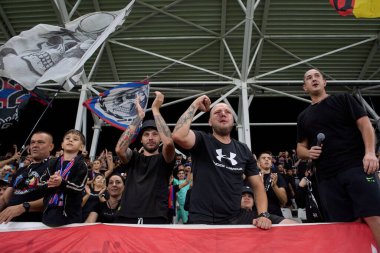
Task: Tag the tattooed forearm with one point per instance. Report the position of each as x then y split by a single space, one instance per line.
161 126
136 121
185 118
126 138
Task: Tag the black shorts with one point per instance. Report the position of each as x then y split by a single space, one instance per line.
350 195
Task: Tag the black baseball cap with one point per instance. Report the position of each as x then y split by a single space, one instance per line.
246 189
148 124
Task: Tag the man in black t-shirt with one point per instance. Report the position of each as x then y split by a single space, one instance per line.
274 184
23 199
219 163
337 134
145 198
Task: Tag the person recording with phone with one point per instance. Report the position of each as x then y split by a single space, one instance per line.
345 160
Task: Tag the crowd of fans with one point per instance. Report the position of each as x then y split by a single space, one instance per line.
221 182
105 184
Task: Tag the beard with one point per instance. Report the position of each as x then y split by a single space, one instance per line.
222 131
150 149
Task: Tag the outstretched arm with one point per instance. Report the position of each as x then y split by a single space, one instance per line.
122 147
110 164
168 149
182 135
15 157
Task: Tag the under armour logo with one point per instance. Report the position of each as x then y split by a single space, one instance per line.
231 158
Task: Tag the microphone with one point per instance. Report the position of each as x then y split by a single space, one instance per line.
320 139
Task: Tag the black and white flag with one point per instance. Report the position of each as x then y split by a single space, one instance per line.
56 54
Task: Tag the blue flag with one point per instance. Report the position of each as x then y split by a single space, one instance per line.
116 106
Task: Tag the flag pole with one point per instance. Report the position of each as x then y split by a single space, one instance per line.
24 146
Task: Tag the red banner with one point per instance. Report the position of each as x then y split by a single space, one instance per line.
341 237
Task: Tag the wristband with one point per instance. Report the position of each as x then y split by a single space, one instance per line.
26 206
264 214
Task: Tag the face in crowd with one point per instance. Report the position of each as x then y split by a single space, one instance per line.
5 170
41 144
96 165
280 168
58 153
314 82
73 141
265 161
187 170
28 160
247 201
178 158
99 182
150 140
181 174
115 185
221 119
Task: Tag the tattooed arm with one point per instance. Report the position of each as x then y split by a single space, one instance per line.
182 135
122 147
168 149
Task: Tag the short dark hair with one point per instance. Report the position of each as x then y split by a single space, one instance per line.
115 174
78 133
265 152
320 72
44 132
